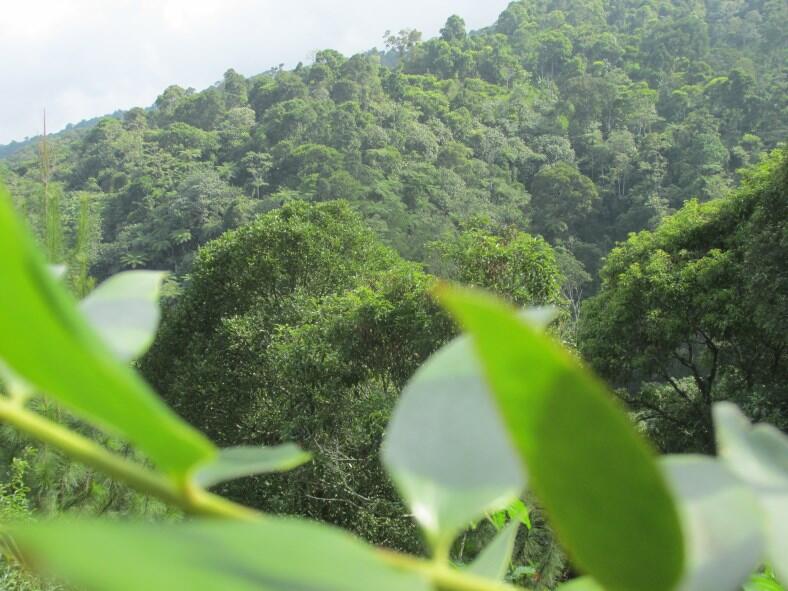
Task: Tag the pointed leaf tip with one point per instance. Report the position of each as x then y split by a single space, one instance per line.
237 462
124 311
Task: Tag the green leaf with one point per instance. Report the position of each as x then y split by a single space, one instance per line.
13 385
519 511
273 555
494 560
47 342
498 519
446 448
759 456
516 511
596 477
539 316
124 311
58 271
723 523
762 582
236 462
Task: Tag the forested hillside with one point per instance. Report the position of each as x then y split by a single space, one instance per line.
622 162
580 121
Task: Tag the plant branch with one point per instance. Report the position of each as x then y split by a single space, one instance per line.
676 387
441 575
189 497
658 411
197 501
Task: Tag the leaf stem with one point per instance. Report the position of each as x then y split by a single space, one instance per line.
188 497
442 576
196 501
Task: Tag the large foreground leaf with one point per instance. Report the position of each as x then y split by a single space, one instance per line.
48 343
723 524
274 555
494 560
759 456
446 447
124 311
596 477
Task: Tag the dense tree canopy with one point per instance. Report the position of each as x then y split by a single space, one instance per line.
518 266
579 121
696 312
302 327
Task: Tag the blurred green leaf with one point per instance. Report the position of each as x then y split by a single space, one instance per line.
596 477
494 560
446 447
124 311
516 511
539 316
47 342
519 511
58 271
273 555
235 462
498 519
763 582
722 522
759 456
13 385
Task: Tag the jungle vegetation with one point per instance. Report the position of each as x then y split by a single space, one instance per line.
621 162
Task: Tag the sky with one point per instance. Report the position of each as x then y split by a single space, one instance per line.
83 58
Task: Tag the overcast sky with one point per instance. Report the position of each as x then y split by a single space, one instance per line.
83 58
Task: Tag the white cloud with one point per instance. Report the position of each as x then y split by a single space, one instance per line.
83 58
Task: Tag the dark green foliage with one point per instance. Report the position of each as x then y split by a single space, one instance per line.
15 507
518 266
562 198
302 327
258 272
696 312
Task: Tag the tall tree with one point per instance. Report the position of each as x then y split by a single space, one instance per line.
696 311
